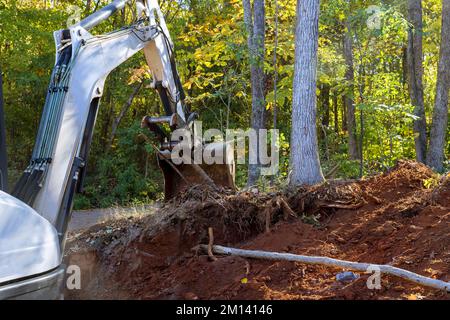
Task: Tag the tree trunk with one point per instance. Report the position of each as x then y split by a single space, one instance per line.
325 95
256 38
344 114
415 75
336 114
3 155
122 113
435 156
305 163
348 100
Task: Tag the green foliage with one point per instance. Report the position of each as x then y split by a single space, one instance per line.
213 61
118 178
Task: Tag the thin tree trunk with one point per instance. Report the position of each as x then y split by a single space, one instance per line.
348 100
325 93
336 114
344 114
275 78
305 163
321 260
256 38
3 154
435 156
121 114
415 76
324 106
275 67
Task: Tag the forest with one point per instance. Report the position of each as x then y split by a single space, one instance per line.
352 96
381 79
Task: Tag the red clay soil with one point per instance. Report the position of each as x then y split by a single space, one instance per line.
401 218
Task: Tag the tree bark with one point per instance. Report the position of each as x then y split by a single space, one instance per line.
348 99
435 156
256 38
415 76
304 158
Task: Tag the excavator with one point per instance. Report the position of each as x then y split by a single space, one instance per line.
34 216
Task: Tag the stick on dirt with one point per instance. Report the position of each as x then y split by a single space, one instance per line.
210 244
287 211
357 266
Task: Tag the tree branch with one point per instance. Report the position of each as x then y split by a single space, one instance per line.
357 266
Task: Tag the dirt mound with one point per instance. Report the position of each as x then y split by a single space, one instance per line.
400 218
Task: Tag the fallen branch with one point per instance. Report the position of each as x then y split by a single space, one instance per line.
332 171
357 266
287 211
268 217
341 206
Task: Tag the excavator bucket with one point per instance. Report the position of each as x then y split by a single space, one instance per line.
178 178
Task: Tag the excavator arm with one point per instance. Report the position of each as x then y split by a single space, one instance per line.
83 62
35 216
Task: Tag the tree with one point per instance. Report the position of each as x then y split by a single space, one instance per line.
122 113
325 101
435 156
256 38
3 159
305 163
348 99
415 76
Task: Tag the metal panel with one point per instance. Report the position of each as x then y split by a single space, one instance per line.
48 286
29 244
102 14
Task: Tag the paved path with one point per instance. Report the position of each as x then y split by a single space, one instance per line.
84 219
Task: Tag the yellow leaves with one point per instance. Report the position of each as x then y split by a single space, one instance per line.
241 94
137 74
434 273
430 183
416 296
40 72
188 84
202 80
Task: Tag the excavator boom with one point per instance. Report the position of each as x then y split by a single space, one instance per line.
57 167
